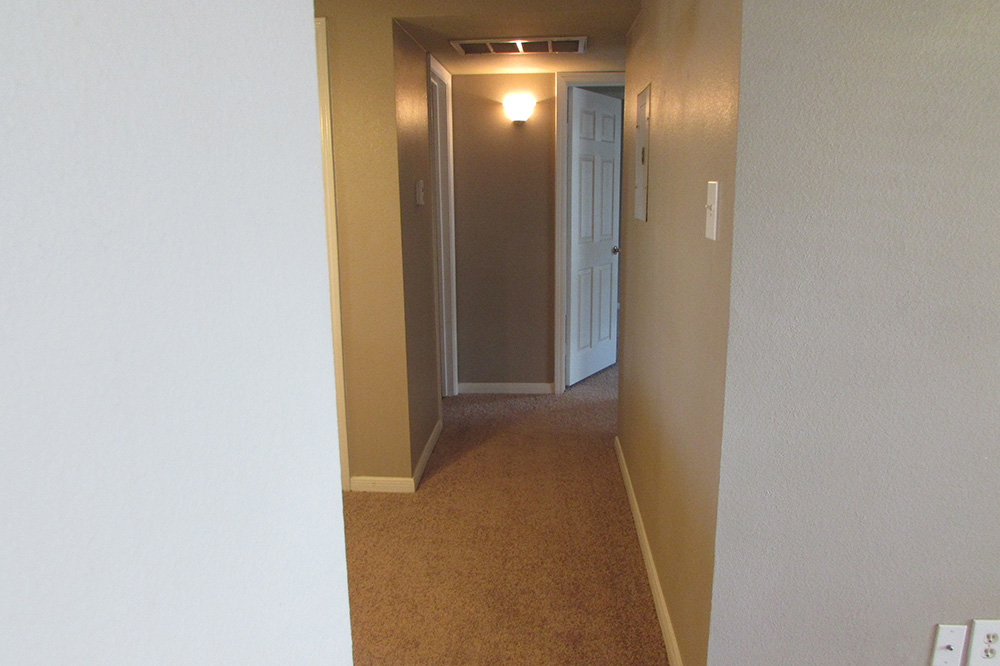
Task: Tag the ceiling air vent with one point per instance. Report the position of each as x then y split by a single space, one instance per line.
520 46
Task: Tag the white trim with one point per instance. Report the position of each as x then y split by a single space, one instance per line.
332 250
510 388
399 484
432 441
439 69
565 81
382 484
443 157
659 601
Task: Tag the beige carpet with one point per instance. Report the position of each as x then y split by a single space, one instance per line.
518 548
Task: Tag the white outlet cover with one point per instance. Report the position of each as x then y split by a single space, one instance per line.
949 645
984 646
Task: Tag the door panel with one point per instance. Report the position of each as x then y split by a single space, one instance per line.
595 182
605 302
585 338
608 183
586 201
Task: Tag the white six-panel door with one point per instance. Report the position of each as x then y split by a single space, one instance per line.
594 216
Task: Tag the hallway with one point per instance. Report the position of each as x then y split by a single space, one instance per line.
518 548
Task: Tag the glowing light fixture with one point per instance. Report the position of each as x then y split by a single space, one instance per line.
518 106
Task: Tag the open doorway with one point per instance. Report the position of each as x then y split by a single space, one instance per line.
442 158
588 216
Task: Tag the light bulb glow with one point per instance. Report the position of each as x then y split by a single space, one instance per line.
518 106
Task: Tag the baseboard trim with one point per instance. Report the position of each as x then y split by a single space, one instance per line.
510 388
666 626
432 441
399 484
382 484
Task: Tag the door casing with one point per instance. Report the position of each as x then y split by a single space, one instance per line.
442 156
333 256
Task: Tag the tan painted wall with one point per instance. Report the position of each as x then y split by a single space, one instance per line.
413 149
368 217
369 237
504 229
675 293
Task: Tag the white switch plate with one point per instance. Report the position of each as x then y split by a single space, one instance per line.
949 645
712 210
984 646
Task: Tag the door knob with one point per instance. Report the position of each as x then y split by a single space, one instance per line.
615 250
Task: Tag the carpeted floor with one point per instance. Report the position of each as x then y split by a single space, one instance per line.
518 548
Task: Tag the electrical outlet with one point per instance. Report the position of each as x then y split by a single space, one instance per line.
984 646
949 645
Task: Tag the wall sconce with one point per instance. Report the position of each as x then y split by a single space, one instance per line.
518 106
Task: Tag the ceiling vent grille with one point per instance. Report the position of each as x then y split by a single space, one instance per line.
520 46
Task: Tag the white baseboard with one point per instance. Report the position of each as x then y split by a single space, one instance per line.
432 441
666 626
399 484
382 484
530 389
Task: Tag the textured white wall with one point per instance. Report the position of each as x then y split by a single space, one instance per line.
169 486
860 469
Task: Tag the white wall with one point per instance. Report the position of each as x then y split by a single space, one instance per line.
169 486
861 447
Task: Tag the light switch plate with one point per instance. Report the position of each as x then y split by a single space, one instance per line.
984 645
949 645
712 211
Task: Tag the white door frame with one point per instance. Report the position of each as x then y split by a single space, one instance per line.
565 81
442 156
333 253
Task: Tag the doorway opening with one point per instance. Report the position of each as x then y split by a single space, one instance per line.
588 220
442 158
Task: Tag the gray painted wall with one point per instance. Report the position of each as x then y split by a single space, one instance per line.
860 471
